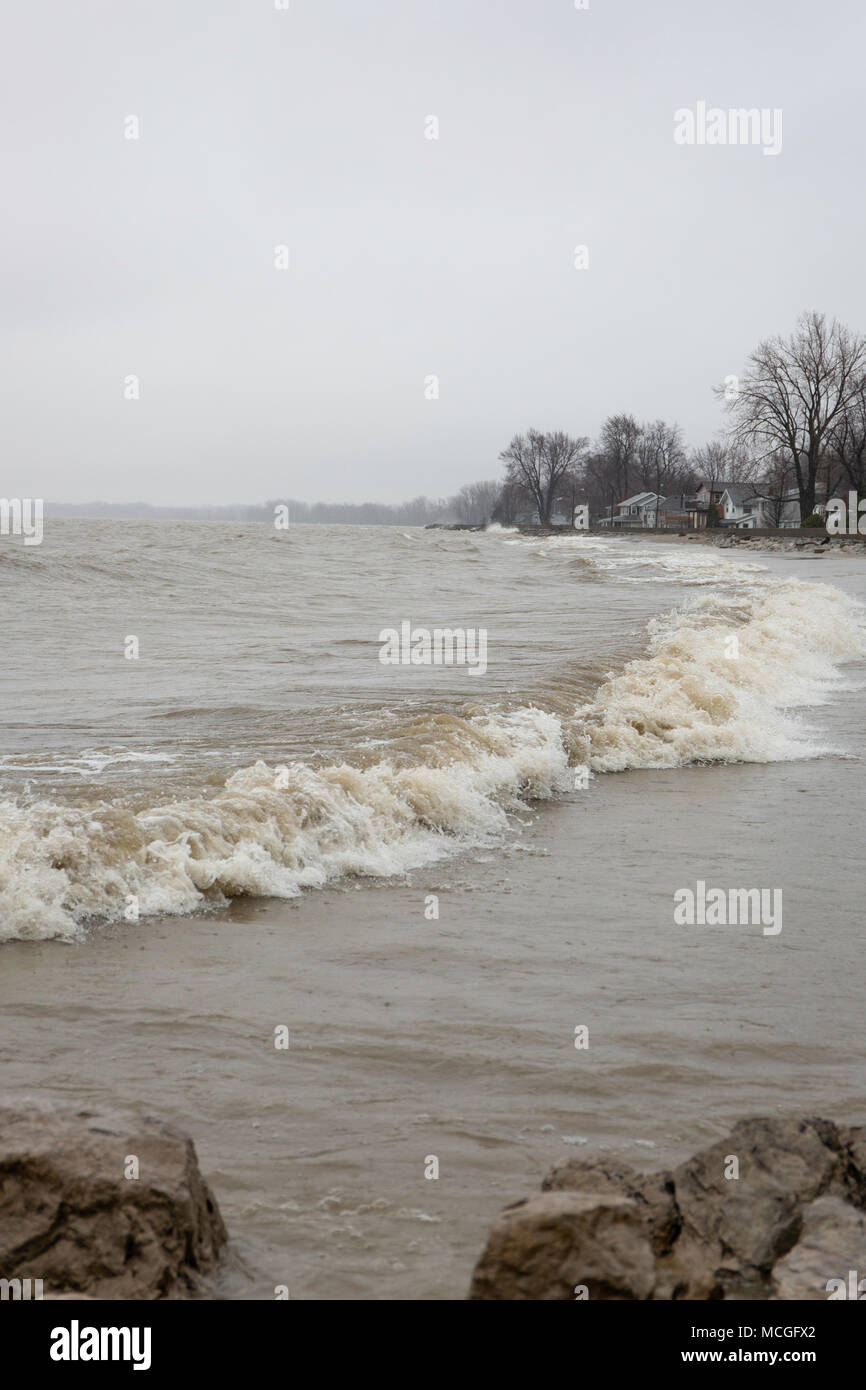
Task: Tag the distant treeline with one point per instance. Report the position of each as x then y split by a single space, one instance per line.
419 512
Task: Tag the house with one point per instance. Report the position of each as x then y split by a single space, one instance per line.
744 507
749 506
706 495
635 511
680 513
709 493
787 508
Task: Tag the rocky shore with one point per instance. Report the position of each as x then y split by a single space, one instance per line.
805 542
808 541
110 1208
776 1210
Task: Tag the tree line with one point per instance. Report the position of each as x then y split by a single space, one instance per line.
795 421
475 500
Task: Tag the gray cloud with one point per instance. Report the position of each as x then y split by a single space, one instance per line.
408 256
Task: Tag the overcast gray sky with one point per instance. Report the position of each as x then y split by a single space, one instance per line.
408 256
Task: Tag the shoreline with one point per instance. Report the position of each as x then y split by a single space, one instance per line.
812 542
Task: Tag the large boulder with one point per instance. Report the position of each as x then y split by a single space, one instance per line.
735 1228
561 1244
832 1244
653 1195
73 1215
762 1213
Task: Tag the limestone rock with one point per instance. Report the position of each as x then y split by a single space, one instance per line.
652 1195
70 1217
546 1247
782 1220
740 1226
831 1244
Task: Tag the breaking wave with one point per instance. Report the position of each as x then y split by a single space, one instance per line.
273 832
721 679
719 682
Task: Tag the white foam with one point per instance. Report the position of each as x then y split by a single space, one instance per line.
689 700
60 865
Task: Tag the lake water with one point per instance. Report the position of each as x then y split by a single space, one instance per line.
430 877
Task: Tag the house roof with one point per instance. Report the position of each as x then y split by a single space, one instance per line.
793 493
738 493
637 499
740 496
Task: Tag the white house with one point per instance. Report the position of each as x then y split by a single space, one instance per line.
639 510
747 507
744 508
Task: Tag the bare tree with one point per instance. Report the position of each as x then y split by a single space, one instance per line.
599 484
618 453
511 500
661 457
795 392
724 461
848 447
776 483
540 463
710 463
475 503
